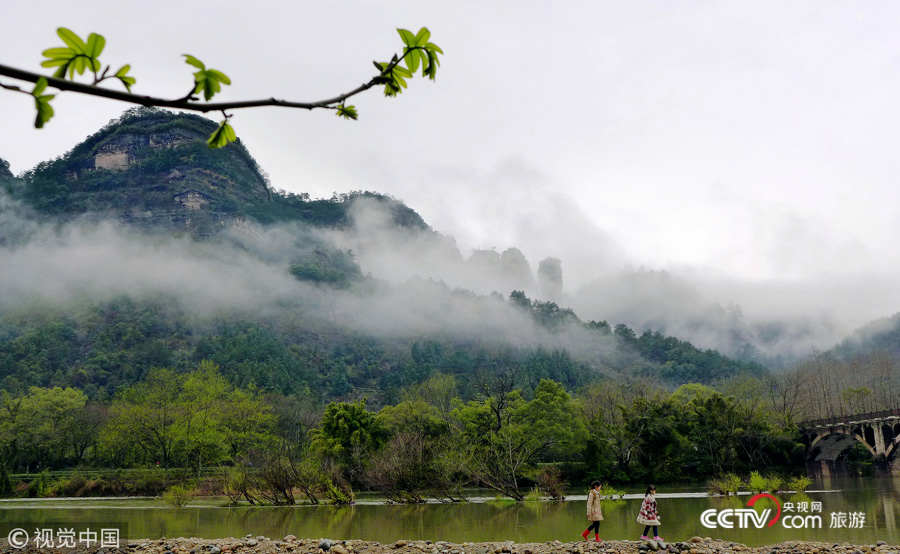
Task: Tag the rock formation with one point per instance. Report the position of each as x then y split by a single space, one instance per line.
550 278
515 271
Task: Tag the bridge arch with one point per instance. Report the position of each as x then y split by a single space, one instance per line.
887 435
830 444
879 432
892 446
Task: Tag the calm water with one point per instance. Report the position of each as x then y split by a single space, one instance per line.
680 511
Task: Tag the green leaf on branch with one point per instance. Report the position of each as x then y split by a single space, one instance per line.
207 81
417 50
42 103
77 57
191 60
412 59
95 45
57 56
72 40
127 80
347 112
222 136
408 38
394 77
430 70
39 87
422 36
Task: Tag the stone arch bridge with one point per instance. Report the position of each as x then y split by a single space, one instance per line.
827 439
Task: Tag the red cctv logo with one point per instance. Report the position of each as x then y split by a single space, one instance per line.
742 518
756 497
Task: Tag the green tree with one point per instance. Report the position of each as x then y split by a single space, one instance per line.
195 419
35 429
347 435
438 391
6 487
625 334
204 401
606 408
689 392
715 426
502 438
148 415
653 423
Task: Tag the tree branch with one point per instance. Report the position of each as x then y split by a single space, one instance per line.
181 104
13 88
185 103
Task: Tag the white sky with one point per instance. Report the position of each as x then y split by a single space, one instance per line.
755 141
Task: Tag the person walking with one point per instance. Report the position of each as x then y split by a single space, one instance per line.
594 515
649 517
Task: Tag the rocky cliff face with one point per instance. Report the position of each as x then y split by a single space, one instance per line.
152 169
516 271
121 152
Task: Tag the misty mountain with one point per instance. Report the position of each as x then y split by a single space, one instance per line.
878 336
143 248
673 305
151 169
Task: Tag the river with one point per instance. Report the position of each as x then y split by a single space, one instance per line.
680 507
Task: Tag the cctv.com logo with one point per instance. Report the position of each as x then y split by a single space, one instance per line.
747 518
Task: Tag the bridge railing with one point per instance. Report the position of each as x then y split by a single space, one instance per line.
844 420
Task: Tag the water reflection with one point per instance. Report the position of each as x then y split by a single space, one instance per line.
481 521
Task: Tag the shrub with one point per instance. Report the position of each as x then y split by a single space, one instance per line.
725 486
338 493
757 483
177 496
71 486
551 483
799 484
715 487
40 486
610 492
238 483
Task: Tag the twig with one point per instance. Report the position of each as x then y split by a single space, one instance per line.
186 102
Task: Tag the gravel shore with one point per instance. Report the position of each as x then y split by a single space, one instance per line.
290 544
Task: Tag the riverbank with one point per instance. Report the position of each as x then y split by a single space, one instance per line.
292 545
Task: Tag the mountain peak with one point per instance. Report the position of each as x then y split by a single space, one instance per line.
151 168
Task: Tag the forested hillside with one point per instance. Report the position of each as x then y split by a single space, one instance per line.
117 247
102 347
149 279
